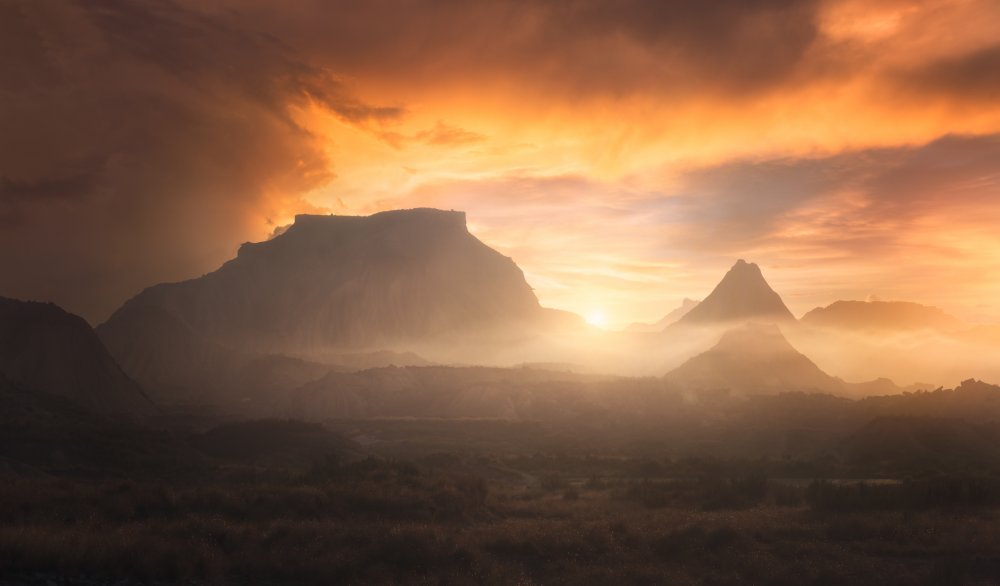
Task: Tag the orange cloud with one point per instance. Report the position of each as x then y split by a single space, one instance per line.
624 153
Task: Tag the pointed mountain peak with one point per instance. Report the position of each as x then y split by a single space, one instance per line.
743 294
744 269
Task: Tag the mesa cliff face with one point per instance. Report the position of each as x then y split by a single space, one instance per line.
327 285
346 282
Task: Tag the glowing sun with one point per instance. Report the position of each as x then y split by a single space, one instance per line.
596 319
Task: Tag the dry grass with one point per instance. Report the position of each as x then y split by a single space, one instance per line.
388 522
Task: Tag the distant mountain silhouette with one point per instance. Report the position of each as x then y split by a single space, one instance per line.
328 287
45 349
757 358
742 295
686 306
881 316
348 282
753 358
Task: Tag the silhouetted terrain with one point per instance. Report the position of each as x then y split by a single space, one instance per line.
336 283
329 289
866 316
756 358
846 497
297 434
501 475
50 351
753 358
499 292
42 434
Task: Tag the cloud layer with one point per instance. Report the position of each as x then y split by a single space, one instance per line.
142 142
624 153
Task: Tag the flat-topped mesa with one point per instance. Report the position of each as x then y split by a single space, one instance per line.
429 216
317 229
743 294
885 316
341 282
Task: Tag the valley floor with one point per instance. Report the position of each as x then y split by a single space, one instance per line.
387 521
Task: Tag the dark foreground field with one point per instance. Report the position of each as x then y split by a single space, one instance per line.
794 489
474 519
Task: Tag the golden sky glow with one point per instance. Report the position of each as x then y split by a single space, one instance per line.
623 153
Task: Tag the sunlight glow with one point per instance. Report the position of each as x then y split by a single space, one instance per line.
596 319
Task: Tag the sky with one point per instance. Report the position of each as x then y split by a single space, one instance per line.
624 153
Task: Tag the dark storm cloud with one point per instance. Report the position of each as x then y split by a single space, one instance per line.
862 202
139 140
954 171
69 187
972 77
598 46
737 203
142 140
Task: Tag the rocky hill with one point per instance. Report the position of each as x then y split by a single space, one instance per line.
47 350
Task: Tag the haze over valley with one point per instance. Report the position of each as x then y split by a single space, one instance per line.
499 292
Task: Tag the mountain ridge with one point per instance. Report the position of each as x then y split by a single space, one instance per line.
757 358
881 316
49 350
753 358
